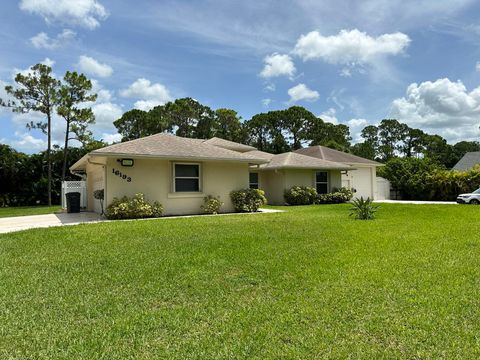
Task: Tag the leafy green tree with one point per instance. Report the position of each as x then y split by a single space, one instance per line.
296 122
437 149
363 149
186 115
72 96
228 125
390 132
133 125
258 129
328 134
37 91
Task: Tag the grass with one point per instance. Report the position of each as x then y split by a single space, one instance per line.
307 283
28 210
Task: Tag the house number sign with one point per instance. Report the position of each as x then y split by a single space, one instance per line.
121 175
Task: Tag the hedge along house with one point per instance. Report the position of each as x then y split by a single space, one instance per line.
286 170
362 179
178 172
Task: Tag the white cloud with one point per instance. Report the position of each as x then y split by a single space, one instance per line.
442 106
269 87
278 65
329 116
477 66
91 66
150 95
111 138
302 92
266 102
106 114
25 142
43 41
85 13
349 47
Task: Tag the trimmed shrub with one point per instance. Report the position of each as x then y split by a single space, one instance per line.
339 196
135 207
363 209
300 195
99 195
248 200
211 204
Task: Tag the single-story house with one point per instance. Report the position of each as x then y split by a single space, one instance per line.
179 172
363 178
468 161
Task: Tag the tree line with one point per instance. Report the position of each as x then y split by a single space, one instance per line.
275 131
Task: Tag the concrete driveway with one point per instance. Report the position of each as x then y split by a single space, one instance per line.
10 224
417 202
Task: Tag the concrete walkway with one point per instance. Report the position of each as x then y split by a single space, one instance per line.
416 202
18 223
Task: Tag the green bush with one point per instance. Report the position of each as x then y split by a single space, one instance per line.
248 200
363 209
421 179
300 195
135 207
339 196
211 204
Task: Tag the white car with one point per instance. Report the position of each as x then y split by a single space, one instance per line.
471 198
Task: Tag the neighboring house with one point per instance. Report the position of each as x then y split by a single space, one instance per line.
179 172
468 161
363 179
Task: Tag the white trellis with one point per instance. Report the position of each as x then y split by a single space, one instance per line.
75 186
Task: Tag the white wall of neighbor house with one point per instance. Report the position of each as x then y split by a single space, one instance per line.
362 179
275 182
154 178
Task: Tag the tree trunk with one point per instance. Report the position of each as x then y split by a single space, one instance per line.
65 151
49 160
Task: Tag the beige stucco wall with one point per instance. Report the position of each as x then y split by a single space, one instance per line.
153 177
275 182
363 179
95 181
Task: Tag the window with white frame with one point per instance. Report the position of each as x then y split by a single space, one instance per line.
321 182
253 180
186 177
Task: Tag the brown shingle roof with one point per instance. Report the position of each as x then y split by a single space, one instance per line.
174 147
325 153
230 145
291 160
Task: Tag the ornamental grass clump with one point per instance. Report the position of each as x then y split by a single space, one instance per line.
363 209
136 207
211 204
248 200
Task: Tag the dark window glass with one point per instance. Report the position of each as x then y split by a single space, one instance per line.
253 178
322 176
322 188
186 170
253 186
186 185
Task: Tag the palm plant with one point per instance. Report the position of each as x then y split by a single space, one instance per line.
363 209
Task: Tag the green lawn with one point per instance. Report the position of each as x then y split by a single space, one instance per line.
28 210
308 283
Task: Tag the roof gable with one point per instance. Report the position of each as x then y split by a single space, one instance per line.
325 153
468 161
291 160
175 147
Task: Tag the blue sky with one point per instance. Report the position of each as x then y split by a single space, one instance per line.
349 62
